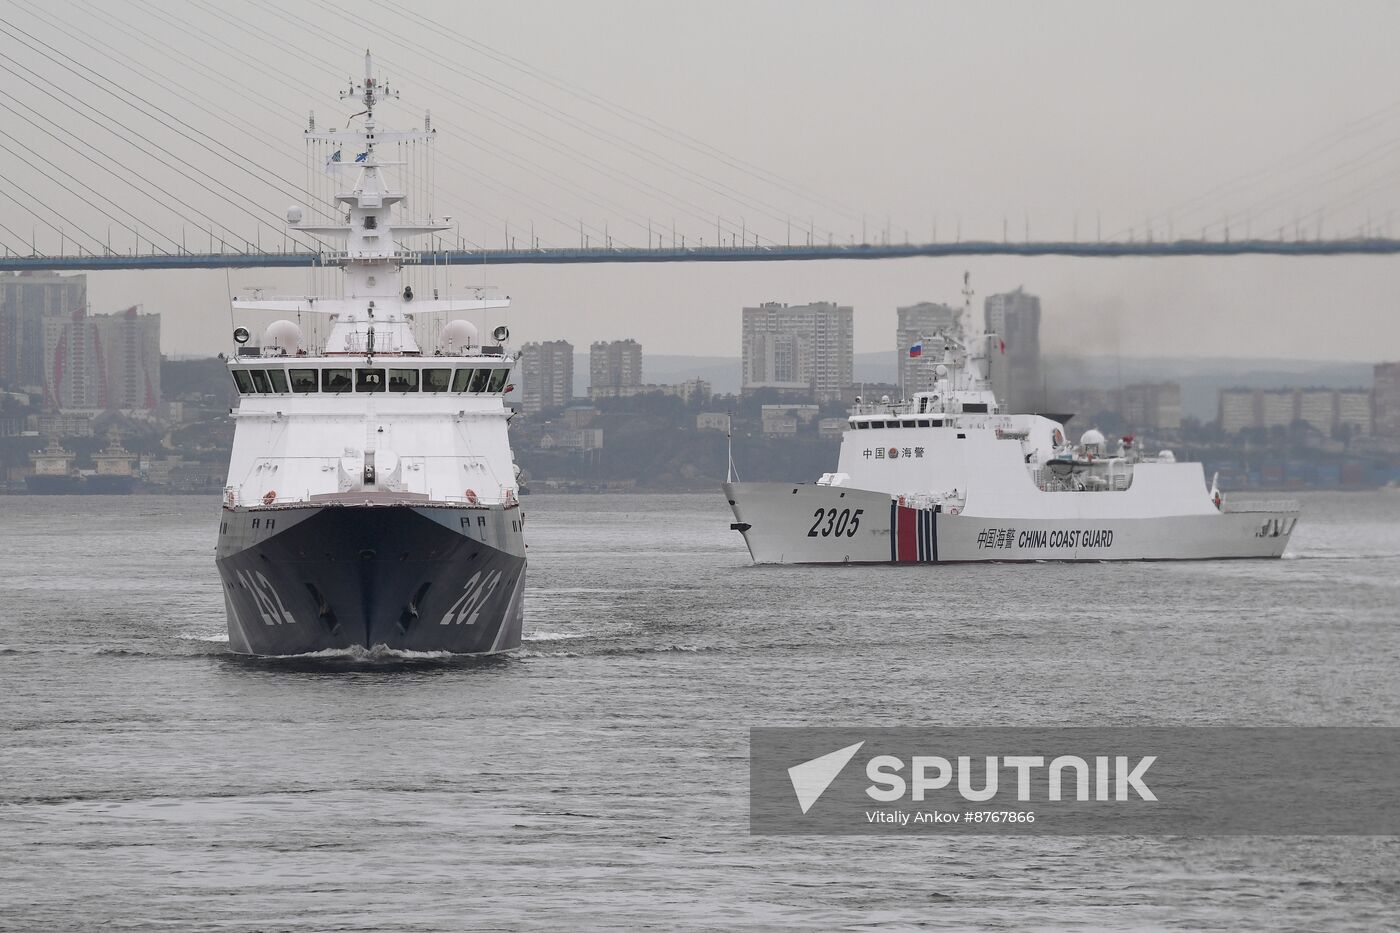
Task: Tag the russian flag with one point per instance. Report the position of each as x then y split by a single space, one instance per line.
917 349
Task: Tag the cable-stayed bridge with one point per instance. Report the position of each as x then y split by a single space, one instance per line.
254 259
125 127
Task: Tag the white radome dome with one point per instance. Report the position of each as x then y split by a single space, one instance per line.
459 335
1091 437
284 335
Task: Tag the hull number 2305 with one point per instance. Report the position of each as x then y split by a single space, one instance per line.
836 522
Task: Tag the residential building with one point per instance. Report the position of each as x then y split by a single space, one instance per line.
801 350
101 362
1386 400
782 420
1152 406
26 300
1318 407
1237 410
918 323
573 439
1325 410
1354 411
694 388
1014 320
546 375
712 421
614 365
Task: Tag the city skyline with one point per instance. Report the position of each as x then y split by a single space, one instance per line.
1049 149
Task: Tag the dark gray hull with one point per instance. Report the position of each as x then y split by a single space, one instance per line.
408 577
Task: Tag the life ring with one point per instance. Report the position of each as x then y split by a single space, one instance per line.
1218 499
953 510
472 498
1058 438
269 497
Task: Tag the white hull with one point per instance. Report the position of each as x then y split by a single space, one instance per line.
780 525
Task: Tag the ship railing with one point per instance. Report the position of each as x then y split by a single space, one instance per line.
472 498
233 496
882 408
1261 505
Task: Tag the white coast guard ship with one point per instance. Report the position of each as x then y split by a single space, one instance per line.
947 476
371 495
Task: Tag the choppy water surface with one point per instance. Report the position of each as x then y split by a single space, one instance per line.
598 777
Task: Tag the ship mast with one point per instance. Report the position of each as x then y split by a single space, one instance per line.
373 316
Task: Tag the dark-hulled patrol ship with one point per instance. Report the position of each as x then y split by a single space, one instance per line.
372 492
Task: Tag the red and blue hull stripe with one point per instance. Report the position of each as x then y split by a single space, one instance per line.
913 535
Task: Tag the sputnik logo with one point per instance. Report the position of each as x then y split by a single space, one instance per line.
811 778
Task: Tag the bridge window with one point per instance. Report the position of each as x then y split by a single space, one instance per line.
403 380
335 380
480 379
260 380
498 380
243 381
925 423
462 380
974 407
303 380
278 378
436 380
369 380
371 222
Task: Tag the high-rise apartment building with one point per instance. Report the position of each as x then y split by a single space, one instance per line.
546 375
1385 395
917 323
1152 406
614 366
799 349
26 299
1015 350
1325 410
102 362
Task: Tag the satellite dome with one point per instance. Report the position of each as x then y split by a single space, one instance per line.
294 214
284 335
1167 456
459 335
1092 438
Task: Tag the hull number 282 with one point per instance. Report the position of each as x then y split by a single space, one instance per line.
836 522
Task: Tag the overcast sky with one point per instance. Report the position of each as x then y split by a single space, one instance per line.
850 119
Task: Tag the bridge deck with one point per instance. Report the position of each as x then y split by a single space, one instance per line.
556 255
